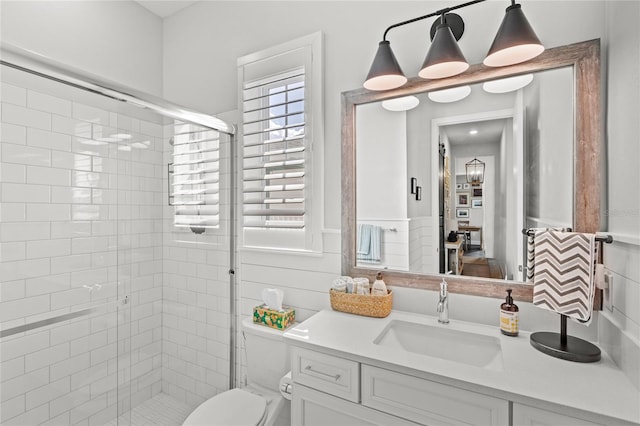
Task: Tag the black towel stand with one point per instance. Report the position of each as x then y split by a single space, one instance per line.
560 345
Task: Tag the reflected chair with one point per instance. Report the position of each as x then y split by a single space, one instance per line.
465 233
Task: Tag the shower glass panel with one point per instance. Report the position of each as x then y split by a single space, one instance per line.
91 239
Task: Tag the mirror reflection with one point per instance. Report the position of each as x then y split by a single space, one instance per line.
447 180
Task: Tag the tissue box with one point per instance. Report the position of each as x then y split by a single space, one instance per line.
275 319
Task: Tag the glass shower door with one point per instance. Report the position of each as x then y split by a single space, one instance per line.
80 254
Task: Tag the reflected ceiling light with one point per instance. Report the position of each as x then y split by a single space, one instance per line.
475 171
444 59
385 72
450 95
404 103
473 132
505 85
515 41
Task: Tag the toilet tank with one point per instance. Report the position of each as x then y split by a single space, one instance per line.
268 357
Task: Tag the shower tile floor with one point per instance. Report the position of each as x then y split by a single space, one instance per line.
161 410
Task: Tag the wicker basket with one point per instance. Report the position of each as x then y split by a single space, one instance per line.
360 304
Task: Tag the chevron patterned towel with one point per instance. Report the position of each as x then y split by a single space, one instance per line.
564 273
531 251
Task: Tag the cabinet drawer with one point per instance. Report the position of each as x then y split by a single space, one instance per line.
428 402
313 408
336 376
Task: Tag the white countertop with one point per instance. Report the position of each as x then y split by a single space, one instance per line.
527 375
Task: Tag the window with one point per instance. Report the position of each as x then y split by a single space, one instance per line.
281 135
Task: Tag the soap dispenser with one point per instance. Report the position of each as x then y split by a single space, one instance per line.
379 288
509 316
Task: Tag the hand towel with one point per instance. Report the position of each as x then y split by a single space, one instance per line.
369 253
364 239
531 257
564 273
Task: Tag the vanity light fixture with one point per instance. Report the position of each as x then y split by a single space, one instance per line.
450 95
385 72
444 59
515 42
505 85
404 103
475 171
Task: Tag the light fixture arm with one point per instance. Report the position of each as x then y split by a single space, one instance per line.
440 12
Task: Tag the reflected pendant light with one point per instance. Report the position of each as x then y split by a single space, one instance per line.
404 103
454 94
444 59
506 85
475 171
515 41
385 72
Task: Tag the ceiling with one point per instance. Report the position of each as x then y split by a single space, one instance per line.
165 8
489 131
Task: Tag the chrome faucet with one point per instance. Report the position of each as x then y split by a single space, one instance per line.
443 304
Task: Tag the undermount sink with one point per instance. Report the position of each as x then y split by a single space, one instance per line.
441 341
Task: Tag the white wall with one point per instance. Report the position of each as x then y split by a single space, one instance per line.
549 135
118 40
381 163
620 328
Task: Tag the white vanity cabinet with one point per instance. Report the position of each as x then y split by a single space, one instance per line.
330 390
524 415
344 373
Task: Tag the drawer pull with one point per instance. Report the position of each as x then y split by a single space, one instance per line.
333 376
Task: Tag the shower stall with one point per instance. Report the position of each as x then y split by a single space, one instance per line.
116 250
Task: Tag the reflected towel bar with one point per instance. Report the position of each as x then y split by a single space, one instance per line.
608 239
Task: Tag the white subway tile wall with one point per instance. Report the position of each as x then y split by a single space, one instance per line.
80 227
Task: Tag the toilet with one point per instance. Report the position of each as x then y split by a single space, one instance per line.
260 402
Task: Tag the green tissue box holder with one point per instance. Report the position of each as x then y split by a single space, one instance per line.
274 319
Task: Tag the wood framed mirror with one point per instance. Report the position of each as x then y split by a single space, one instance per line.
584 61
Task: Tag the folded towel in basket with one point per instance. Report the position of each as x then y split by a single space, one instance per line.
564 273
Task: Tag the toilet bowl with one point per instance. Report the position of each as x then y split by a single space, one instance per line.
260 402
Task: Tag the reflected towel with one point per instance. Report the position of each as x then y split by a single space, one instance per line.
564 273
369 242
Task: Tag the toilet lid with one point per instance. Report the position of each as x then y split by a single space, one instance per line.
230 408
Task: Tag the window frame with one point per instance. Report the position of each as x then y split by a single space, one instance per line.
309 238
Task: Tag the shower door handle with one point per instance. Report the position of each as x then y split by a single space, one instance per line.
60 318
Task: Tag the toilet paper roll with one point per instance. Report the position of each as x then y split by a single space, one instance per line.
286 386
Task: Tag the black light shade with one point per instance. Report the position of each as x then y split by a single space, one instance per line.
475 171
444 59
515 41
385 72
